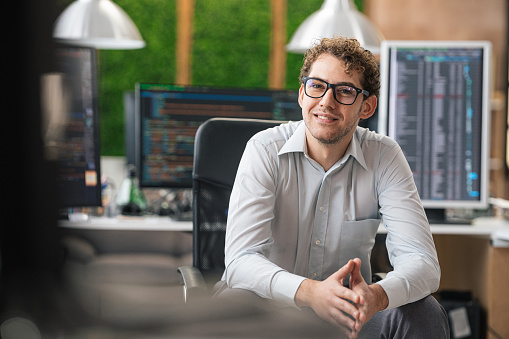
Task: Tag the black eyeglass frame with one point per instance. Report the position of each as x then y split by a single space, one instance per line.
333 86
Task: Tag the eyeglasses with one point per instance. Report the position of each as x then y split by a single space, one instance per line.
344 94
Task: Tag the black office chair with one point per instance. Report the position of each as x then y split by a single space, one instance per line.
219 144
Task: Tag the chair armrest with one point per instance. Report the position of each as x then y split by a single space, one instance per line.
194 284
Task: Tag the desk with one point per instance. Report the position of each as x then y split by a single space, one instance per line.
148 223
149 234
480 229
156 223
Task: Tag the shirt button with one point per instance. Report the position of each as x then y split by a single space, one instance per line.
317 242
322 208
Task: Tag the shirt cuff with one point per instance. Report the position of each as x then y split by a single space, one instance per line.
284 286
396 291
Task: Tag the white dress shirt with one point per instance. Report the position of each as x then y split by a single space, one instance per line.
289 220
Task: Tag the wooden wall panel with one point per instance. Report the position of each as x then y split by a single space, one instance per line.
444 20
277 62
185 13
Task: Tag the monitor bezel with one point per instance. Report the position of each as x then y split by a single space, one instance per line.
386 47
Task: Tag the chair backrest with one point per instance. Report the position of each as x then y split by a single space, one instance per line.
219 145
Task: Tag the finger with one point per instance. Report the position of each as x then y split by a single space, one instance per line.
358 325
348 333
341 320
347 307
344 271
356 279
348 294
362 300
345 324
362 315
356 276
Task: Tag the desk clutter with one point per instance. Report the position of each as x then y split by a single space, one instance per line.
175 204
133 200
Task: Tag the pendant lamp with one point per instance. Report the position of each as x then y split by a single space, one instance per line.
101 24
336 18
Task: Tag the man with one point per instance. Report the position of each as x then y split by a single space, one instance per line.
307 202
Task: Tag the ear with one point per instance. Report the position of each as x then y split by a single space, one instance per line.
368 107
301 95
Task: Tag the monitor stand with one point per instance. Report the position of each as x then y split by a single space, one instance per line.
436 215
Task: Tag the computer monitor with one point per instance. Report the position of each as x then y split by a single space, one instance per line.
435 102
169 115
78 147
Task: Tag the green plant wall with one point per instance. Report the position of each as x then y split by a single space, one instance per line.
231 43
120 70
231 47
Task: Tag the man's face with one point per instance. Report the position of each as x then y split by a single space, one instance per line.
327 121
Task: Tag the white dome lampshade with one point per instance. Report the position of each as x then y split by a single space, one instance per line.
336 18
97 23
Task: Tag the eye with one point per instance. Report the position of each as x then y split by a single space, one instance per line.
316 84
345 91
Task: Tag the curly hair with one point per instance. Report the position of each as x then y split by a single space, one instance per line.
355 58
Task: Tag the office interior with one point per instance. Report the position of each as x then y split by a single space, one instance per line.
33 290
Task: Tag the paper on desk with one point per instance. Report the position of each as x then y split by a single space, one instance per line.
460 324
500 238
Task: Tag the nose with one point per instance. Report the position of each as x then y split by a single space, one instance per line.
328 99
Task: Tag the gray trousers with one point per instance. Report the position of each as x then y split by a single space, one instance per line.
422 319
425 318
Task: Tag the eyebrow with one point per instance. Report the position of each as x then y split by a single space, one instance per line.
344 83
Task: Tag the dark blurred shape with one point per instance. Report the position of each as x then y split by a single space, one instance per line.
29 251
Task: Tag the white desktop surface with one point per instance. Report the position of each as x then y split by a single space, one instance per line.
147 223
459 229
483 227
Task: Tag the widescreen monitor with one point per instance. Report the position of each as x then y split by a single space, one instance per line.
435 102
78 147
169 115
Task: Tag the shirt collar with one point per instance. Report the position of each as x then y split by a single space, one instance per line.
297 143
355 149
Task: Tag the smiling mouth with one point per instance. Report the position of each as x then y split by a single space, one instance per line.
325 118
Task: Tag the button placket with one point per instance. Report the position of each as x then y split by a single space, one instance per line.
317 249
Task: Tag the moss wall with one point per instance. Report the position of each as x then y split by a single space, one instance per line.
231 47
